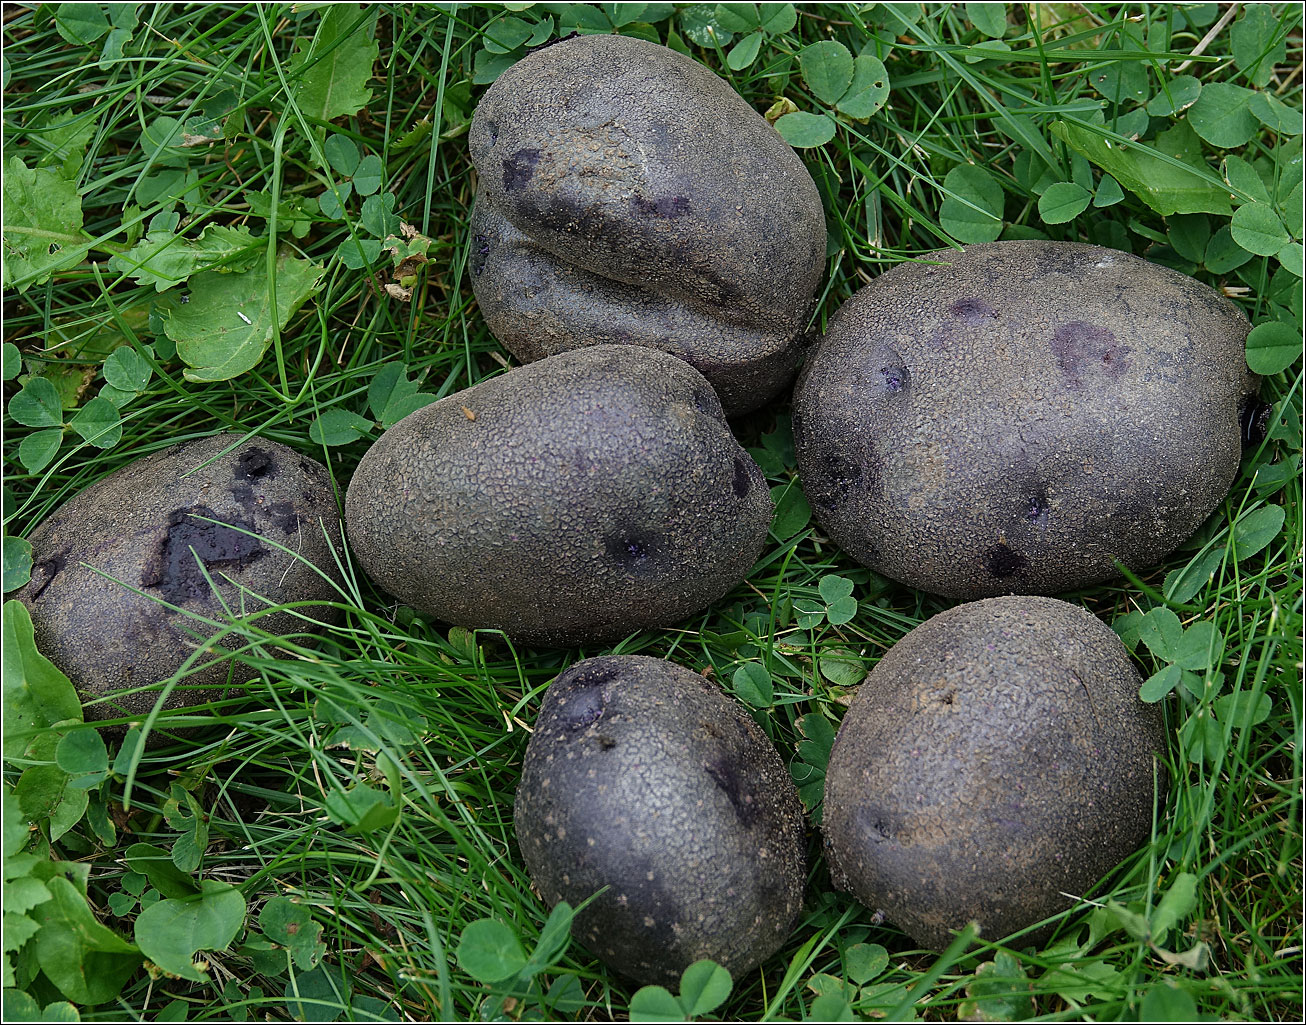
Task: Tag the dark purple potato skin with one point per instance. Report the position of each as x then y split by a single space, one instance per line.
596 493
1021 416
643 777
996 757
628 195
144 525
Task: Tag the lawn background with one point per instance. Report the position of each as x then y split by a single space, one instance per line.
349 809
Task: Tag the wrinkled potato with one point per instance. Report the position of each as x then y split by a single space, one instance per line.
122 569
628 195
577 499
1015 417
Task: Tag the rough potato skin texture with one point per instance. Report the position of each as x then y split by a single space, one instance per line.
140 525
997 756
643 777
1020 416
576 499
626 194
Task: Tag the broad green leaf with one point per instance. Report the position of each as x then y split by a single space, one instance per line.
36 694
1165 1001
554 939
329 76
990 19
841 611
489 951
291 925
819 734
13 361
123 18
1200 647
1258 229
80 24
842 667
1256 43
972 209
99 422
64 140
1182 585
1189 235
369 175
362 809
156 865
341 153
392 396
626 13
1159 684
1162 632
1123 80
1166 188
1221 115
1275 114
505 34
227 325
868 90
37 405
338 427
753 685
834 587
1243 709
1223 254
1063 202
779 18
164 259
827 69
82 752
377 215
1000 991
862 962
1108 192
744 52
805 131
1179 901
733 17
699 23
320 995
1243 178
1256 529
42 228
36 450
127 369
184 814
172 931
1293 258
87 963
792 512
704 986
655 1003
1177 95
17 563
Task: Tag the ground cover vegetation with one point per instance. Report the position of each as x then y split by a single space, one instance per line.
334 839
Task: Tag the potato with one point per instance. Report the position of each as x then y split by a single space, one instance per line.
642 777
122 570
1017 416
996 759
581 498
628 195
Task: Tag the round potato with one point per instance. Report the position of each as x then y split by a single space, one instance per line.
577 499
628 195
130 574
1016 417
996 759
642 778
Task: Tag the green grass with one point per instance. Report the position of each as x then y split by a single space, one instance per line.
440 718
